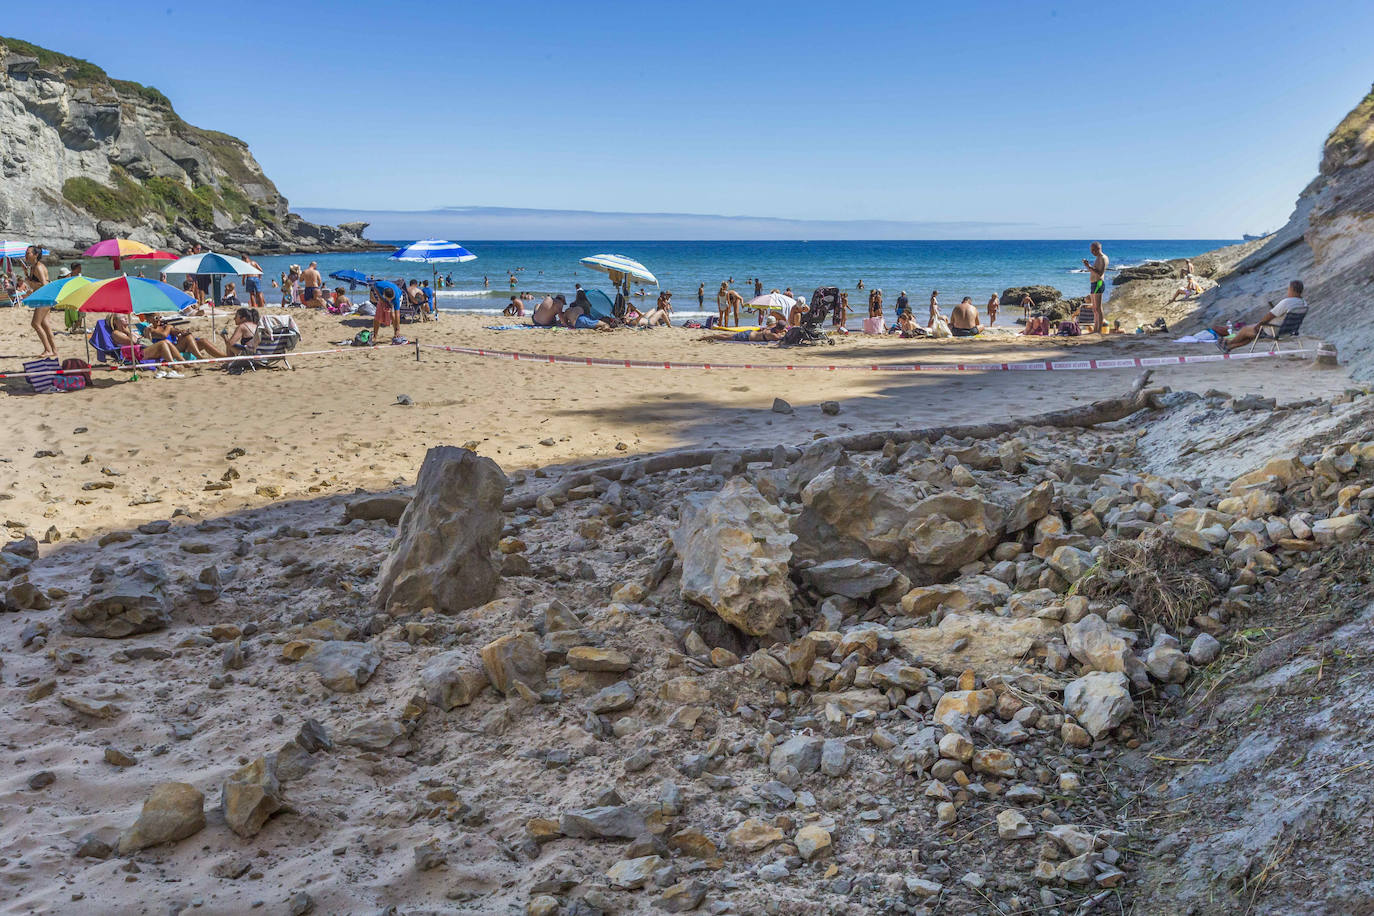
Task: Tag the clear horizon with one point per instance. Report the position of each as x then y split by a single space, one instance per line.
1010 119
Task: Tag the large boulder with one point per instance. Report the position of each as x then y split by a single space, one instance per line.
452 679
123 603
514 659
1011 298
251 795
343 667
982 642
735 549
443 556
853 511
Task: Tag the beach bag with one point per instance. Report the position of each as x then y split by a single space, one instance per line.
362 339
1068 328
940 329
77 375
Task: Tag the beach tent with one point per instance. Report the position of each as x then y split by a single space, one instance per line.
601 305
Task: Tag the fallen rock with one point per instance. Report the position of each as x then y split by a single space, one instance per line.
123 604
753 835
632 874
1013 825
590 658
453 679
813 842
603 822
982 642
1100 701
514 658
801 752
735 547
854 578
387 507
343 667
250 796
444 554
173 811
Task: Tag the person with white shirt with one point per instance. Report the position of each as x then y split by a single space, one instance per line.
1293 302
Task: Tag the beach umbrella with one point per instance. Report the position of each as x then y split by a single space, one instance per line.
49 293
210 264
431 252
125 295
773 302
354 278
621 268
13 251
116 248
155 255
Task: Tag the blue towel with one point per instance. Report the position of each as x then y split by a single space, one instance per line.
42 374
512 327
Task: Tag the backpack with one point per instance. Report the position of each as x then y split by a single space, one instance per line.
1068 329
363 338
76 375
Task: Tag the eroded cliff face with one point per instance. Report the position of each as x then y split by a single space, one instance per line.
1328 243
85 157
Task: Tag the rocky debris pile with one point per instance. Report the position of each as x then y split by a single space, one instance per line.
891 681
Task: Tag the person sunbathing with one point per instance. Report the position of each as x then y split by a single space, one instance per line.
660 314
772 332
964 320
245 326
548 313
1189 288
907 327
576 316
1037 326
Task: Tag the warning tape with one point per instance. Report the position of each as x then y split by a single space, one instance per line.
154 366
1032 366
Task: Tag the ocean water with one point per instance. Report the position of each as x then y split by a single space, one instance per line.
955 268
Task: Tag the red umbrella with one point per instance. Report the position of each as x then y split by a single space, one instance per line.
157 255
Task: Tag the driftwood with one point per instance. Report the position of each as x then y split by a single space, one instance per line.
1098 412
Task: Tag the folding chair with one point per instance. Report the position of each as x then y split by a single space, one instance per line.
1289 328
276 336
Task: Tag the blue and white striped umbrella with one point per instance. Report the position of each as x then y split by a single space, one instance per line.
434 250
211 264
619 264
14 250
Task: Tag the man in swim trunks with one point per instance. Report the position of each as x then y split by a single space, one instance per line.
310 279
384 295
546 313
964 321
1097 283
253 286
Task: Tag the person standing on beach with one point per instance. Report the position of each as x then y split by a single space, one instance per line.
903 304
35 275
313 283
934 307
253 286
1097 283
993 305
701 297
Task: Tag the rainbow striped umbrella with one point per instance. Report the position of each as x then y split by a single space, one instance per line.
14 250
49 293
126 295
116 248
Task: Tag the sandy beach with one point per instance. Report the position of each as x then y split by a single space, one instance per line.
129 452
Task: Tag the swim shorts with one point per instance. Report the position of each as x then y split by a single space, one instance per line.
310 293
250 284
741 335
383 315
964 332
585 323
1097 287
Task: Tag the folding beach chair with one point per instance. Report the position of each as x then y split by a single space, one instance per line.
276 336
1288 329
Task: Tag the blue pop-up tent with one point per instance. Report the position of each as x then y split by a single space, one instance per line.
601 305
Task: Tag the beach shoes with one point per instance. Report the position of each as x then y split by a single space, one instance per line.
172 373
161 373
399 340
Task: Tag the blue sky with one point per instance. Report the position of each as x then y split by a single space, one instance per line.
1067 119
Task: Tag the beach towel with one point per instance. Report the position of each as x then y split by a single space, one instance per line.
1207 335
512 327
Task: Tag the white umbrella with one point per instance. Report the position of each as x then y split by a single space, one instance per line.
773 302
210 264
618 264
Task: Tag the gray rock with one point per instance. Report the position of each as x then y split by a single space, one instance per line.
124 604
443 556
615 698
1100 701
1204 650
453 679
800 752
603 822
735 547
781 406
388 507
343 667
834 757
854 578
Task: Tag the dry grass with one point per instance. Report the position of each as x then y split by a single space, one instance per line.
1161 580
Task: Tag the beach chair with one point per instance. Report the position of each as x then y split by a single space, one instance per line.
412 311
106 350
1290 328
276 336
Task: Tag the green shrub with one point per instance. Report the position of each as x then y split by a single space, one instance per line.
126 201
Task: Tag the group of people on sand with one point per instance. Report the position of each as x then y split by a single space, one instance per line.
555 311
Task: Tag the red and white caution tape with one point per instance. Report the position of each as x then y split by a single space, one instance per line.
154 366
1032 366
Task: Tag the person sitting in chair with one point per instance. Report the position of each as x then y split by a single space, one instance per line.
1293 302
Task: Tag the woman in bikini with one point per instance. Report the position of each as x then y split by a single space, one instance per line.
35 275
993 305
754 335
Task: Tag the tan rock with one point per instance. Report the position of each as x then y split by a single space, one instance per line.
753 835
696 845
686 690
813 842
98 709
799 656
995 762
632 874
850 702
173 811
514 658
971 703
590 658
983 642
250 796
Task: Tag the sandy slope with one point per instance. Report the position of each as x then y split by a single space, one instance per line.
334 424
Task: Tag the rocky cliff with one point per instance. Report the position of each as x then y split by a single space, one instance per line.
1328 243
85 157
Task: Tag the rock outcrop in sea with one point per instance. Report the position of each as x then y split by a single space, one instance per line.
85 157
